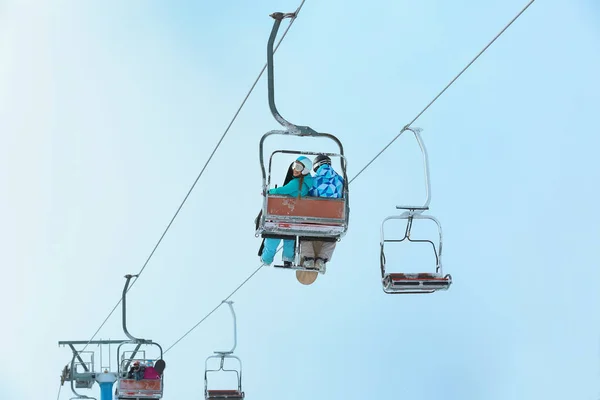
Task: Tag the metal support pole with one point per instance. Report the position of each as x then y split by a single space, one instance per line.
106 381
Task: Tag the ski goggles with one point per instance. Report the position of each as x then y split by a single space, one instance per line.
298 166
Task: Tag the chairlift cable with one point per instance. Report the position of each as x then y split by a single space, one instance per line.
439 94
201 172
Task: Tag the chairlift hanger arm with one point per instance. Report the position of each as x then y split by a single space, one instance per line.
124 300
425 206
301 130
135 340
230 304
124 303
291 128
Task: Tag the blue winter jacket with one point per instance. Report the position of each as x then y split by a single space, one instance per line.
291 189
327 183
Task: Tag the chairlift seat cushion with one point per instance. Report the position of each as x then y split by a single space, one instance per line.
417 276
224 394
426 282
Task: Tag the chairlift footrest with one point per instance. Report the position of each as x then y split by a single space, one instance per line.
224 395
299 268
285 228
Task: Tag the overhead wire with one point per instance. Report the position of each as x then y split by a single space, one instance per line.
200 174
370 162
442 92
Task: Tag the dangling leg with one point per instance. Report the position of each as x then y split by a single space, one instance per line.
269 250
289 250
327 249
307 254
325 254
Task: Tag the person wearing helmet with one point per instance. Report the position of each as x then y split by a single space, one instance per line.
326 183
298 186
136 371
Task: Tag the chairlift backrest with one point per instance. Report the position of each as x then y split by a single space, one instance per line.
223 394
418 209
308 216
138 387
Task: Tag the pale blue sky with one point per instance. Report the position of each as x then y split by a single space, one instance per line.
109 110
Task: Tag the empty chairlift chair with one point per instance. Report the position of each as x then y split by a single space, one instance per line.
420 282
231 393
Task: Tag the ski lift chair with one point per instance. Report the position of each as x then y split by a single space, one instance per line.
132 389
422 282
307 218
229 394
